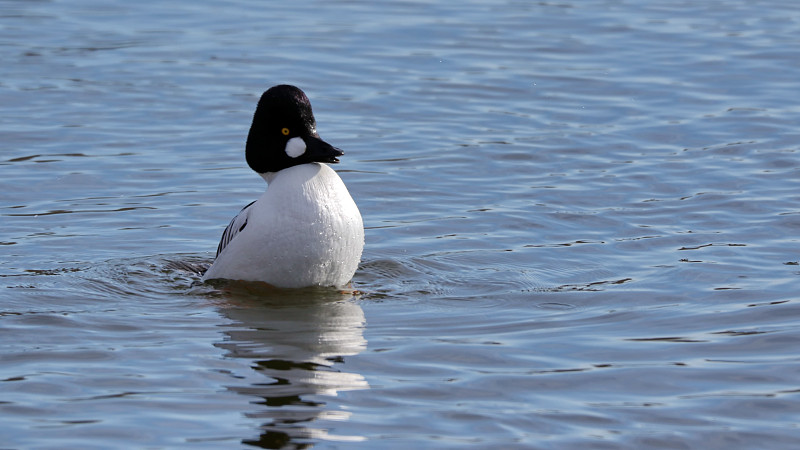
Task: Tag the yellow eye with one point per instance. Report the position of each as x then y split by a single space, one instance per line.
285 131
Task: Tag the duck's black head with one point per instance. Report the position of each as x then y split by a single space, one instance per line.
284 132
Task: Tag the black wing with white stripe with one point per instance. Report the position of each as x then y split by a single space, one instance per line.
237 224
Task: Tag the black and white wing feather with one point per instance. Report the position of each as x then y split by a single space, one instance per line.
237 225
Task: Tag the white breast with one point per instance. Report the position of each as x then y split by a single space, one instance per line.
305 230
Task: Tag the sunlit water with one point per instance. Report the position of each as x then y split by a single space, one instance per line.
582 226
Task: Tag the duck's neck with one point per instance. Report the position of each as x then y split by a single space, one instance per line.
268 176
314 167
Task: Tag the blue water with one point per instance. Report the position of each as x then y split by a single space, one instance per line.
583 226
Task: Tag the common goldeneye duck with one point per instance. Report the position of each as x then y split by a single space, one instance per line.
305 230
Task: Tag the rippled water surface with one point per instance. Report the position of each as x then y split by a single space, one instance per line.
583 226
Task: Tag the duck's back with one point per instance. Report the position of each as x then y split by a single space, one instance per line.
305 230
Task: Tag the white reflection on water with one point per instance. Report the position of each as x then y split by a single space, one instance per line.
297 341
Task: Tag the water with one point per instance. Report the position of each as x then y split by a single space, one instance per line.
582 226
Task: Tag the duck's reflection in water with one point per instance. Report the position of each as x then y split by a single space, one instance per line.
297 341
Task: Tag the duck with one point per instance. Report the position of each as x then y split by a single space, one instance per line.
305 230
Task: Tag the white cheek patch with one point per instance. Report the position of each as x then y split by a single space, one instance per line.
295 147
